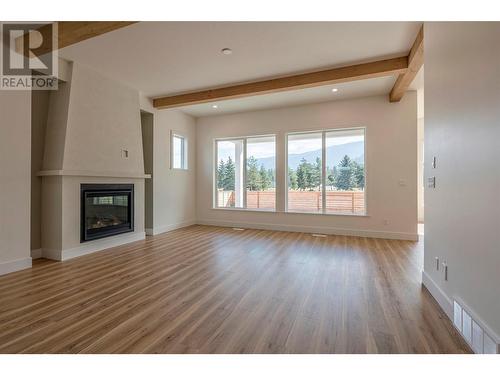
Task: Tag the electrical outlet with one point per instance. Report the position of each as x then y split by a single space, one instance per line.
445 270
431 182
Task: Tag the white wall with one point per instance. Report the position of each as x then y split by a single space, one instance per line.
174 191
147 146
103 118
91 120
462 129
39 112
420 168
391 146
15 187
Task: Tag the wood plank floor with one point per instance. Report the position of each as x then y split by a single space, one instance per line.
215 290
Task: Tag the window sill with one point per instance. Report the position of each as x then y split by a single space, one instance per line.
325 214
242 209
287 212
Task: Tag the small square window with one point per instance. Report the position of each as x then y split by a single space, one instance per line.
179 152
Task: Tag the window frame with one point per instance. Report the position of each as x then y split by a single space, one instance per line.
215 168
324 169
184 151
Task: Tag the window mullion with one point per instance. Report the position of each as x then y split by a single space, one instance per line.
216 174
323 172
183 161
287 178
244 166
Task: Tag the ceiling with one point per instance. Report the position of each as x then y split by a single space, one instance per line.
368 87
162 58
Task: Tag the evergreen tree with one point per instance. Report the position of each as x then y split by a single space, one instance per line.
221 171
359 175
229 175
270 174
292 179
265 181
253 176
316 174
345 178
302 175
310 173
331 176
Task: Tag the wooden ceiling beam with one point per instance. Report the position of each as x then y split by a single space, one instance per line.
415 62
71 32
374 69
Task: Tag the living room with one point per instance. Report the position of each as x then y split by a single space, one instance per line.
238 188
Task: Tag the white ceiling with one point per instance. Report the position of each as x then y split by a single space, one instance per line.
368 87
161 58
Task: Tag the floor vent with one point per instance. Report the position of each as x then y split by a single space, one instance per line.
318 235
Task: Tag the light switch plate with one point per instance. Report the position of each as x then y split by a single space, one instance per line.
467 326
433 162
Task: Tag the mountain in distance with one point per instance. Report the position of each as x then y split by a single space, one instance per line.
334 154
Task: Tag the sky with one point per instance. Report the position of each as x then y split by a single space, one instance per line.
300 146
257 149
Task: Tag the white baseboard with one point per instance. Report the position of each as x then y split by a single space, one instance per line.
53 254
15 265
36 253
315 229
167 228
446 304
438 294
94 246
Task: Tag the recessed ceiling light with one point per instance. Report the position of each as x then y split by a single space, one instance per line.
226 51
215 106
335 90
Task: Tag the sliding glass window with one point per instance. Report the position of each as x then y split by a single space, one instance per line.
305 172
326 172
245 175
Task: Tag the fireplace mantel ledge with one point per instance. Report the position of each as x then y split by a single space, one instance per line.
61 172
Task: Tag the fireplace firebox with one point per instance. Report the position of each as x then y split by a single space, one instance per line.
106 210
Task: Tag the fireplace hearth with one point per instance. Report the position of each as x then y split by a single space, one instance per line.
106 210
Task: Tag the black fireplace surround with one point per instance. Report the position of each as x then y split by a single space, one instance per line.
106 210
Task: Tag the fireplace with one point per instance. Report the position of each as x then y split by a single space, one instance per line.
106 210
